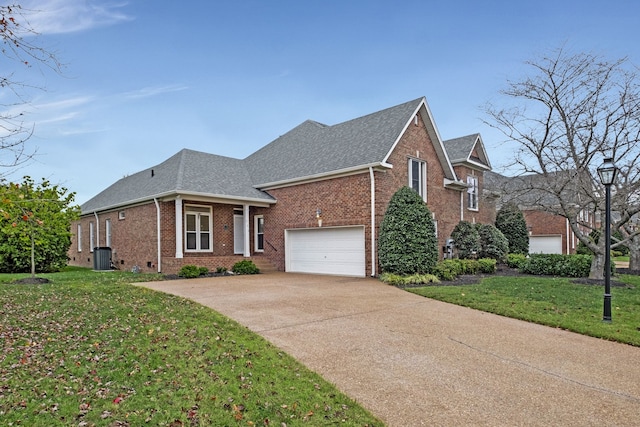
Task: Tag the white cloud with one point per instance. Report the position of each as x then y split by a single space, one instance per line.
147 92
67 16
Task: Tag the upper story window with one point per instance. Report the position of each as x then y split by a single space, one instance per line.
198 226
472 192
418 177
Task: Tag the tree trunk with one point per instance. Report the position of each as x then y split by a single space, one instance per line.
597 267
634 253
33 257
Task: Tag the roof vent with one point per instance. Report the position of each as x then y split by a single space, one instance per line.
152 173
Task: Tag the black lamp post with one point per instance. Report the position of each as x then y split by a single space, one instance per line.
607 172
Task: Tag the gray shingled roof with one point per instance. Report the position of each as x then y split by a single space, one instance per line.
187 171
460 149
315 149
310 149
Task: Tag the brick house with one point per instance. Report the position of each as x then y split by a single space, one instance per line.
549 232
309 201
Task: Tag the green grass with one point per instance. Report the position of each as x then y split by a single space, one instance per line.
553 302
90 349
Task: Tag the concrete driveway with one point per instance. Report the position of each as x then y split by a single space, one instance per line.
413 361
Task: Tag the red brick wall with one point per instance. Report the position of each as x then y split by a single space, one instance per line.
134 239
347 200
542 223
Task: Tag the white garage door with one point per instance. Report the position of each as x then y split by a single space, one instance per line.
338 251
545 244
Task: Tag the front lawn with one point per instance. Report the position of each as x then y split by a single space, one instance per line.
89 349
550 301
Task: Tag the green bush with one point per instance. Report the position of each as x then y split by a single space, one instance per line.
189 271
245 267
221 270
407 243
493 244
414 279
510 221
487 265
558 265
203 270
447 269
466 240
516 260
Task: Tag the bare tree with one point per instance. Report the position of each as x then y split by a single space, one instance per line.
572 111
19 47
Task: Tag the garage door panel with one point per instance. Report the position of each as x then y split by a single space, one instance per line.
545 244
338 251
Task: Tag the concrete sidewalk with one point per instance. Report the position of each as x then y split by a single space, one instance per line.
413 361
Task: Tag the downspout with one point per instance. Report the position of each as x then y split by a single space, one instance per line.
568 237
159 241
373 222
97 242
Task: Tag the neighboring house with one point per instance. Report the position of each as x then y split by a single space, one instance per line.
549 232
310 201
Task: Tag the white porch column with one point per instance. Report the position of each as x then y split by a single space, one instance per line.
247 241
179 233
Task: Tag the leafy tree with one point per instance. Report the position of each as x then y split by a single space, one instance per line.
19 44
568 113
510 221
466 240
407 243
493 244
35 226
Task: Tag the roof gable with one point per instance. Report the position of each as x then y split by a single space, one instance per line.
468 150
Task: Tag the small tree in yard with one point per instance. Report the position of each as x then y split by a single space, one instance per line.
510 221
493 244
35 226
407 243
466 240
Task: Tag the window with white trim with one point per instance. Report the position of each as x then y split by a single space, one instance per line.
418 177
258 225
79 238
92 242
198 226
472 192
107 232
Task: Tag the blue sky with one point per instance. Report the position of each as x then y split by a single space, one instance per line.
144 79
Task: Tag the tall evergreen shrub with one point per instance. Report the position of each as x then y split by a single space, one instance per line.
510 221
493 244
466 240
407 243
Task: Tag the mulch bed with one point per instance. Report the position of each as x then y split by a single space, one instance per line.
31 281
472 279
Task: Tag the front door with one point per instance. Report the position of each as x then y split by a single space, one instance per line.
238 234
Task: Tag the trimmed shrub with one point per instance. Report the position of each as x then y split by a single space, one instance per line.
414 279
558 265
516 260
221 270
493 244
487 265
407 243
245 267
203 270
189 271
510 221
466 240
448 269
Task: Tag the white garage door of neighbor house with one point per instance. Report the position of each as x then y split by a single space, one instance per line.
545 244
338 251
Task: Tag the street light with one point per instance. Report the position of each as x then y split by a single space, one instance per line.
607 172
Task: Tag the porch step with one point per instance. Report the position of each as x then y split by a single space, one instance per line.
263 264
